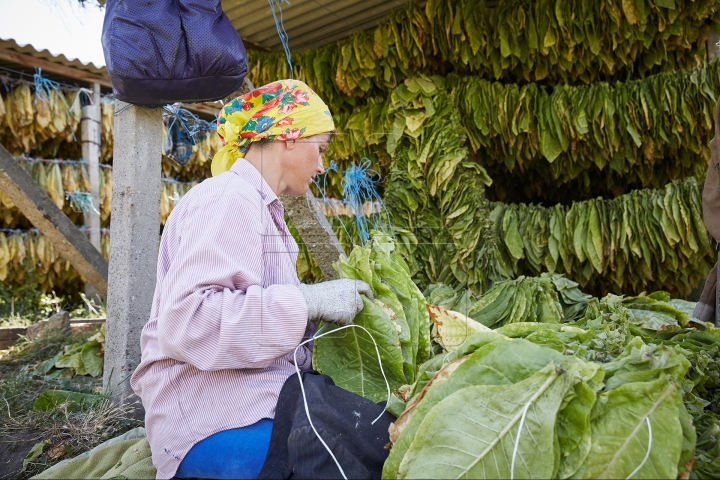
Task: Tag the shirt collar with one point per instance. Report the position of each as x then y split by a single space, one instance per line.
247 171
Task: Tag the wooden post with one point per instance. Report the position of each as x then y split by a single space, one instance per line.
713 50
315 231
91 137
134 243
66 237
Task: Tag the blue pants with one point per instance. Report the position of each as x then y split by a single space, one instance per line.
235 453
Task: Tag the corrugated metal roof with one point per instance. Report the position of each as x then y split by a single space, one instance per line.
28 49
309 23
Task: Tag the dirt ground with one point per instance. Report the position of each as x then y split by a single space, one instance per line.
14 448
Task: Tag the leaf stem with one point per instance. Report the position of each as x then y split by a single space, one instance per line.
513 421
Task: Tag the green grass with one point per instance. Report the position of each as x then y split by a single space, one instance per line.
22 306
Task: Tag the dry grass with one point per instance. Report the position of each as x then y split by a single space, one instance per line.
68 432
20 386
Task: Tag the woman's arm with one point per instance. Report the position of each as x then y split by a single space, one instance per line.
214 314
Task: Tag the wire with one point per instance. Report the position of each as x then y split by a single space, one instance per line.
302 387
282 33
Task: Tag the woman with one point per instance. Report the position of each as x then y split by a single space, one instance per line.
228 310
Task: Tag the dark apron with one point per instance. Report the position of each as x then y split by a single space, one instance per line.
343 421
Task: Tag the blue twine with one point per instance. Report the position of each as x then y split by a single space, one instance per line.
358 186
190 123
81 201
190 128
280 26
42 92
316 181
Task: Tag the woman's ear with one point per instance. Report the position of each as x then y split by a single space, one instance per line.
290 144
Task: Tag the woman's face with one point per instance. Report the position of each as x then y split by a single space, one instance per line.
302 161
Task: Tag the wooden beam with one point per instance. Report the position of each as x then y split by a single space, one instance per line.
315 231
66 237
52 67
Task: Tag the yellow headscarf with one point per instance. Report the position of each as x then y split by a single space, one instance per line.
283 110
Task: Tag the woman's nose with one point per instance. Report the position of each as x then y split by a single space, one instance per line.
320 169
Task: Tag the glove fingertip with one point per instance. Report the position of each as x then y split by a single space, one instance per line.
367 291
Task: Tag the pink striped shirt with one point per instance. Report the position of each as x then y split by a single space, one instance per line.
226 316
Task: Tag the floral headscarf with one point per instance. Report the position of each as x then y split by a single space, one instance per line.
283 110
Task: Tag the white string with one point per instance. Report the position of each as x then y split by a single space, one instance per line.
89 93
517 440
302 388
647 455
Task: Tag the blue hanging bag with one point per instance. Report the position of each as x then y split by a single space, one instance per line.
166 51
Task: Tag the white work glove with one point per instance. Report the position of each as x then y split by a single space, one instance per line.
336 301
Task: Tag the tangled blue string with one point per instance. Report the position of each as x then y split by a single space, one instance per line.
42 92
358 187
191 128
280 26
81 201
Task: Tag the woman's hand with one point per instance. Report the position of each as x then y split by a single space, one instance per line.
336 301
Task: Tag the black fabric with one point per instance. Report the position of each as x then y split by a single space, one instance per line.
342 419
166 51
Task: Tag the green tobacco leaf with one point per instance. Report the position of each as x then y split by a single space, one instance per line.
656 314
92 358
35 452
550 146
622 437
641 363
689 440
75 401
453 328
495 360
472 432
394 272
513 240
491 308
350 359
573 429
46 365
